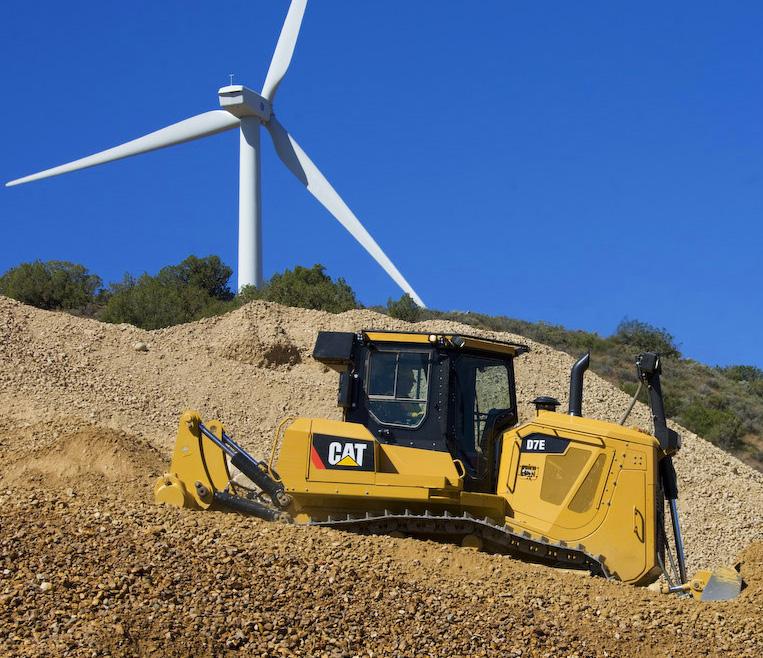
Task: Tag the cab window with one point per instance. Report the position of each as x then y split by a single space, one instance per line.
483 397
398 386
491 393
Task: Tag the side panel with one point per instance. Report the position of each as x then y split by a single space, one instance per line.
294 457
341 452
558 482
621 539
587 482
338 465
428 468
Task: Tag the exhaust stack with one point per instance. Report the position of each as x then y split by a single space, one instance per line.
576 384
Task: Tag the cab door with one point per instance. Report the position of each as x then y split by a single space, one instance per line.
482 406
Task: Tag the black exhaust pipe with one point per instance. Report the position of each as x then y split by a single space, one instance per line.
576 384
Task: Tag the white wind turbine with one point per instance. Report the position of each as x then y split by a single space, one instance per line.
247 110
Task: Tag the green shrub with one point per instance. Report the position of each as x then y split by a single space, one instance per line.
756 388
644 337
717 425
306 288
153 302
630 389
248 293
743 373
673 403
195 288
209 274
404 309
51 285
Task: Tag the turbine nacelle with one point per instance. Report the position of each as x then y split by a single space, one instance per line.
242 102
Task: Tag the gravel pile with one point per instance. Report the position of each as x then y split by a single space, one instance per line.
89 565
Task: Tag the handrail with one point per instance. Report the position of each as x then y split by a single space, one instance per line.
274 445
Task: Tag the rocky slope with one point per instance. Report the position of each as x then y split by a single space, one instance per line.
89 566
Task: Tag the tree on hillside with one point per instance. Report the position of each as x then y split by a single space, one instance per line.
209 274
306 288
51 285
713 421
154 302
194 288
404 309
646 338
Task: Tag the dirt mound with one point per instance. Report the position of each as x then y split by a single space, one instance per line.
278 353
80 458
93 408
253 367
147 580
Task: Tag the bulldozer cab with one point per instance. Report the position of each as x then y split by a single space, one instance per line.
440 392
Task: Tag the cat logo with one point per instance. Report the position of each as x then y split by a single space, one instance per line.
333 452
351 454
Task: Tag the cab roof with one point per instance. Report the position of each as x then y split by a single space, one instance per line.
445 340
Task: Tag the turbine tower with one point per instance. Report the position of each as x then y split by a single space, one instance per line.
247 110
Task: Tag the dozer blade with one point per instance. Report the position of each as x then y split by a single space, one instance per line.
721 584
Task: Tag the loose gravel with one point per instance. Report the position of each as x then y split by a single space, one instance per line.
89 566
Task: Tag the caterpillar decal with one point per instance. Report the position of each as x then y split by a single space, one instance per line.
338 453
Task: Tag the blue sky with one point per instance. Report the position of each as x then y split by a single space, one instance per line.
576 163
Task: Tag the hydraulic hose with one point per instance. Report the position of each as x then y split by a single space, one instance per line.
631 405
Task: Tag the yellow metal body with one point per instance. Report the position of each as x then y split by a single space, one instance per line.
557 479
198 466
601 492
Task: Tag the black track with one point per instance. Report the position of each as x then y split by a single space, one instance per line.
496 538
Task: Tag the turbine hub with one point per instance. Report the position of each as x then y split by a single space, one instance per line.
244 102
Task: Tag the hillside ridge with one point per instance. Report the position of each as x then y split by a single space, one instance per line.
89 564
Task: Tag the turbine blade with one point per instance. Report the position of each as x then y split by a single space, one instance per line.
284 48
305 170
201 125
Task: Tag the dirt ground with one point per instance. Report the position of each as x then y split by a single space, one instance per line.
89 566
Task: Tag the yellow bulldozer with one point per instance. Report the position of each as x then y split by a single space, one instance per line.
430 447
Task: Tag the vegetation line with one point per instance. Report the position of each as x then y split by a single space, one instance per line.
723 405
